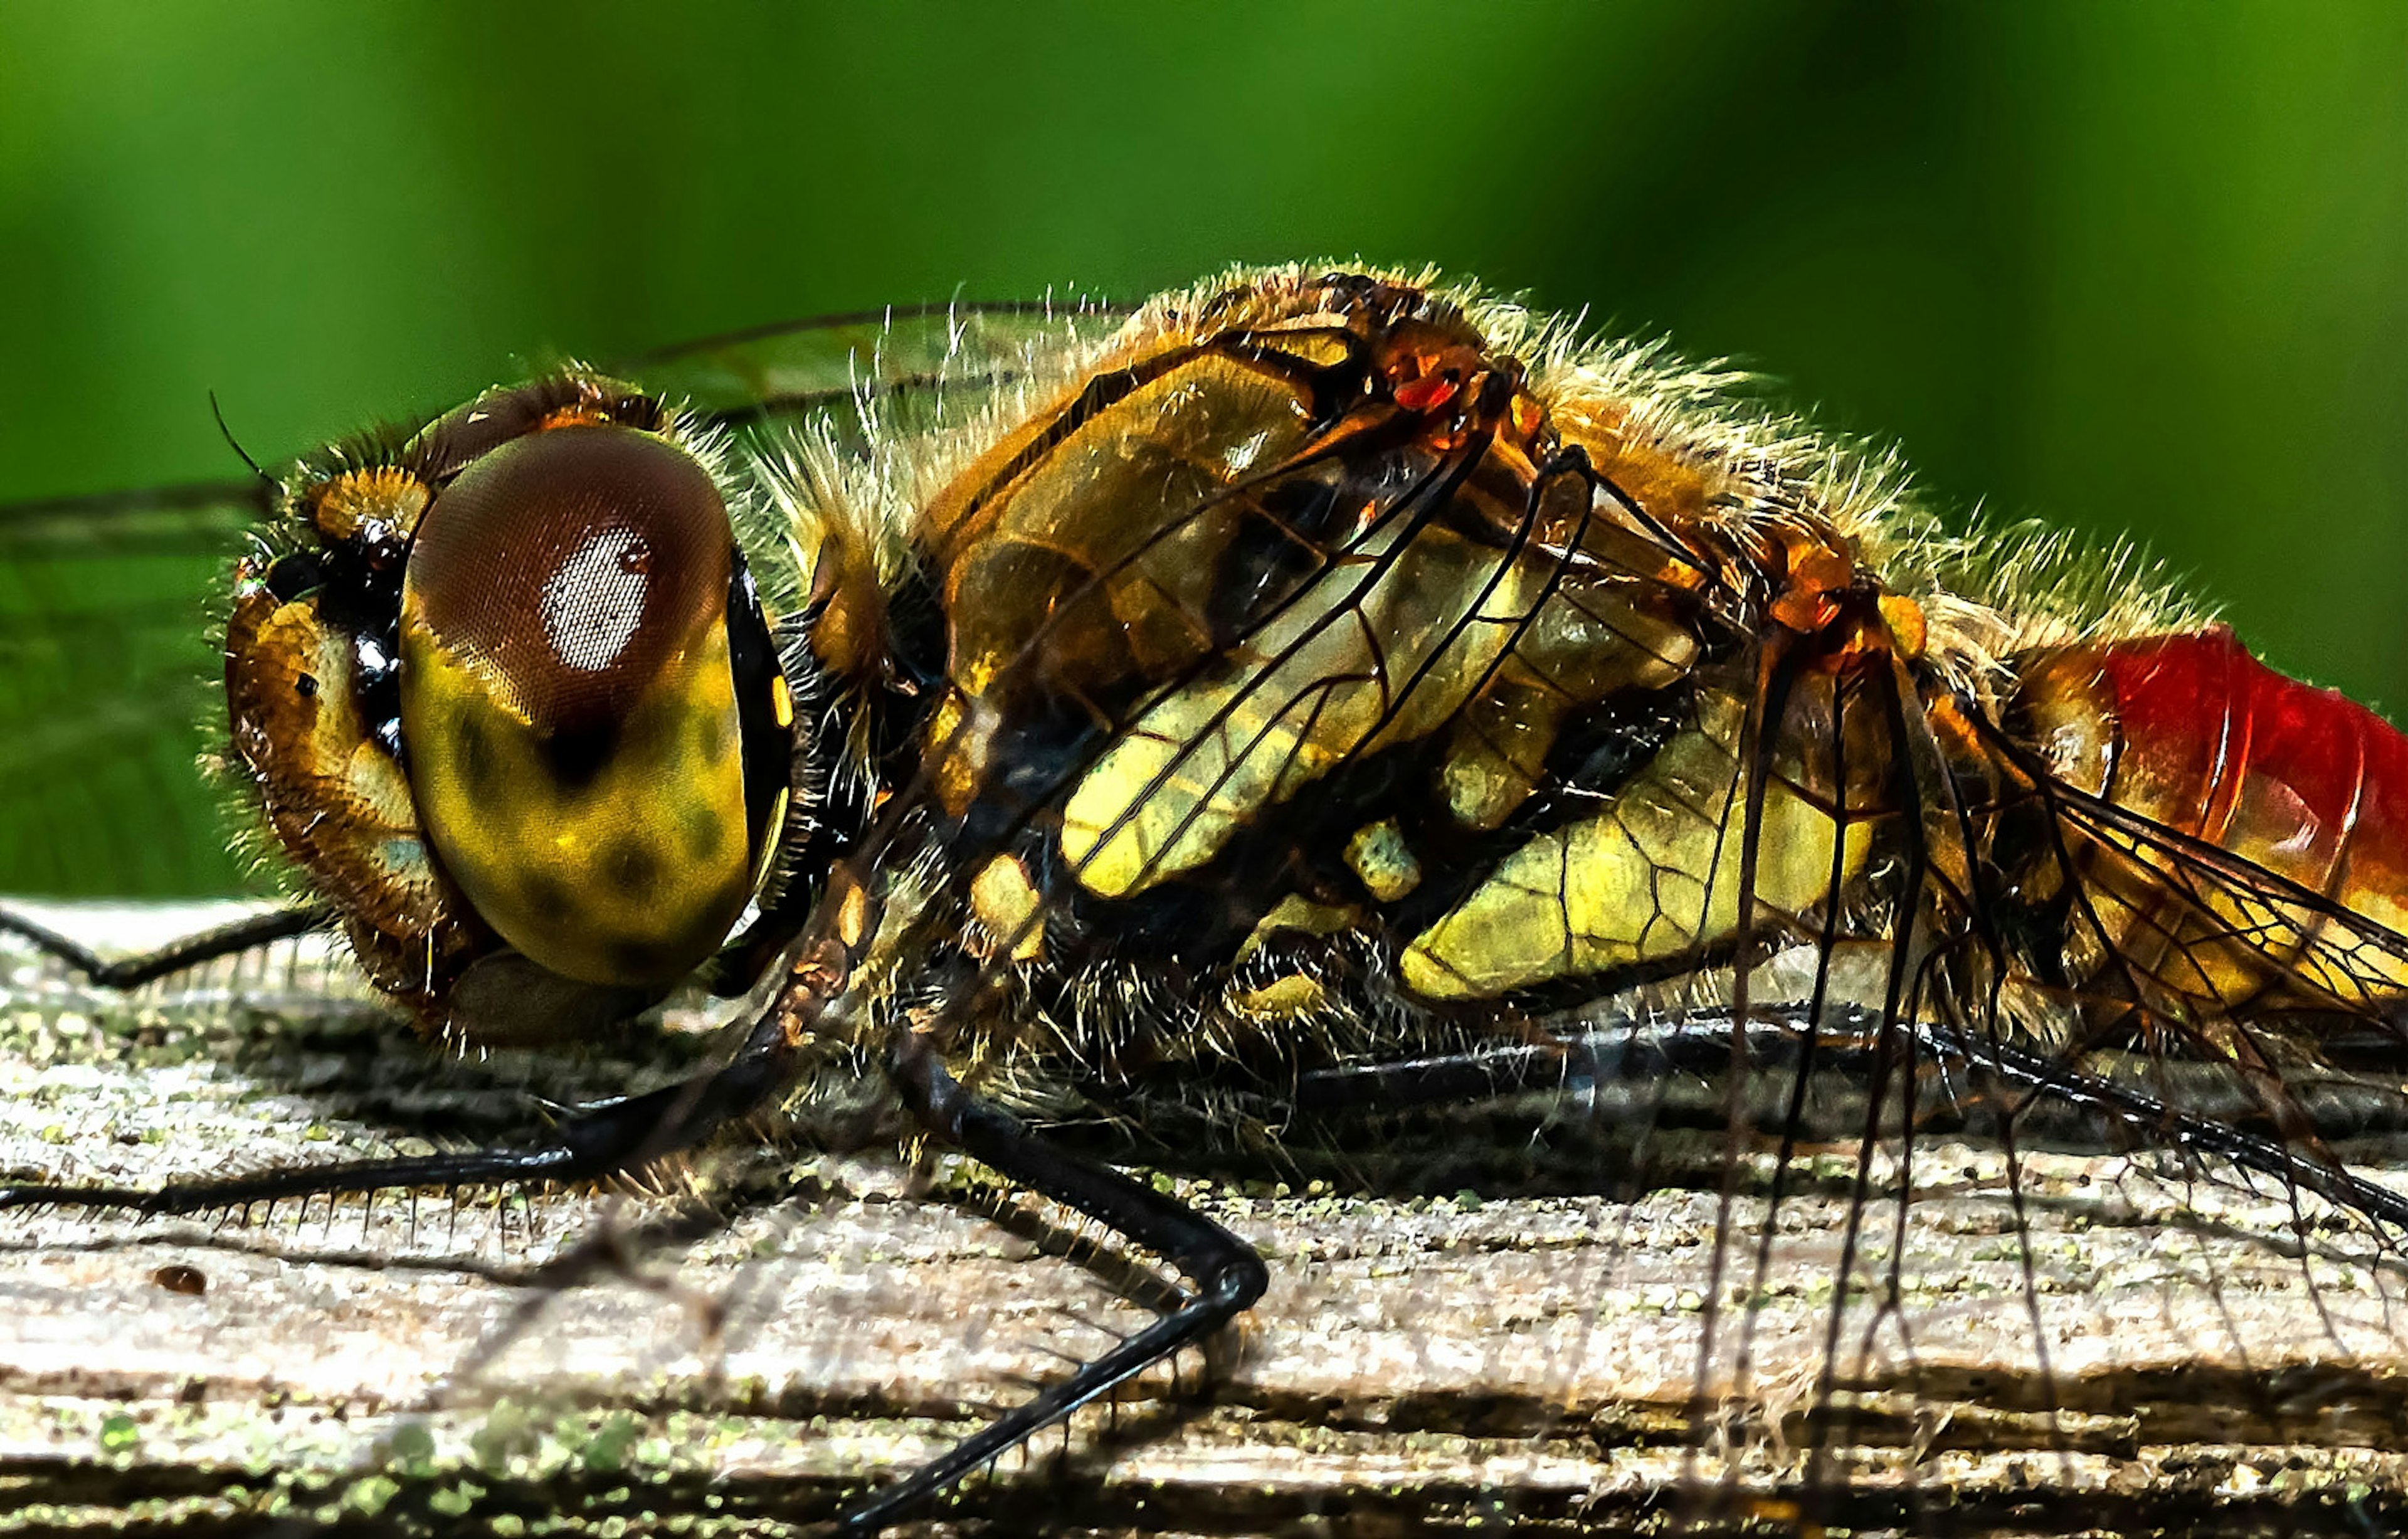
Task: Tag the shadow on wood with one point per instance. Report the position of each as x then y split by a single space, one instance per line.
2108 1349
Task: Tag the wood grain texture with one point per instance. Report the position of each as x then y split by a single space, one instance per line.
2123 1350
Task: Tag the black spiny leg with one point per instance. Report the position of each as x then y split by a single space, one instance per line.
191 950
2161 1123
1227 1274
596 1141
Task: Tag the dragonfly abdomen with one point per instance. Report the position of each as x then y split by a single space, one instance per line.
2215 771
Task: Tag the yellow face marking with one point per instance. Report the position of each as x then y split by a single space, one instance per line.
344 801
1377 854
781 702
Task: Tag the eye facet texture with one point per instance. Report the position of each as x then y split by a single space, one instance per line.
567 704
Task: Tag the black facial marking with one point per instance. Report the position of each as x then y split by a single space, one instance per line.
293 575
473 752
545 897
701 826
574 757
634 867
767 749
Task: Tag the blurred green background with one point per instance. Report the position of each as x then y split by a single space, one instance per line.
2132 267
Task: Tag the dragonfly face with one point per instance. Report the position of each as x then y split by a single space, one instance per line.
1308 692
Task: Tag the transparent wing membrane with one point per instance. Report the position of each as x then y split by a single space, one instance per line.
1309 744
107 675
791 369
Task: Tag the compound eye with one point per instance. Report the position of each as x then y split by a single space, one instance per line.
567 705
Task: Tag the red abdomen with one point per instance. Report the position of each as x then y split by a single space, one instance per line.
2192 733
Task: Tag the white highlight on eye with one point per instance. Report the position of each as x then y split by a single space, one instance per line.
593 601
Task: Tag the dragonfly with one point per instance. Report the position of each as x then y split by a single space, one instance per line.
1263 720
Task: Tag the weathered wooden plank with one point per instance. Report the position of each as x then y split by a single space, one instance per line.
2120 1352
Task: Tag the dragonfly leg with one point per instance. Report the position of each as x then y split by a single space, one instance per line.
595 1140
1649 1049
188 950
1773 1040
1227 1274
2162 1124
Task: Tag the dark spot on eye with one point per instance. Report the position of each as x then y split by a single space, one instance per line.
634 867
545 897
473 753
576 756
306 685
701 827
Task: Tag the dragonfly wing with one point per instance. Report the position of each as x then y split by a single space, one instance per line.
764 373
108 674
